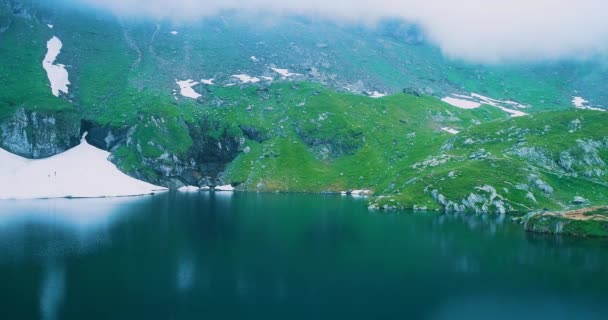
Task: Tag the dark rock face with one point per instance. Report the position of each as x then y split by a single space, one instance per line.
210 154
102 137
38 135
331 147
254 134
200 165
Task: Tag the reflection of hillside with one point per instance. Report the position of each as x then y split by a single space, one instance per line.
279 254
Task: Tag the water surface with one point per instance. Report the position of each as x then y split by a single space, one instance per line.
263 256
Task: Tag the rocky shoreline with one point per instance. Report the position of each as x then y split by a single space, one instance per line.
583 222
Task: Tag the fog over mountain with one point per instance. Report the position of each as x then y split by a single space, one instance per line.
474 30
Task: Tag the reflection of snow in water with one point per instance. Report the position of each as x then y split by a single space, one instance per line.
52 291
73 213
185 274
78 225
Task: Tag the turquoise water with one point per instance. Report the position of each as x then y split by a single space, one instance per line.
264 256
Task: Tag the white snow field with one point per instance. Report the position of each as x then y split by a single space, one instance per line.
81 172
475 100
581 103
450 130
57 74
284 72
376 94
186 90
461 103
244 78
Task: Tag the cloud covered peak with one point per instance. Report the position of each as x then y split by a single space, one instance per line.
474 30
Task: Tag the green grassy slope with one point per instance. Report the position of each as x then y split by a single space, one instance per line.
315 132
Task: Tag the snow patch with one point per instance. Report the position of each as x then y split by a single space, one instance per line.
476 100
174 33
254 59
207 82
376 94
224 188
57 74
284 72
450 130
50 26
581 103
499 104
361 193
186 88
189 189
462 104
267 78
81 172
244 78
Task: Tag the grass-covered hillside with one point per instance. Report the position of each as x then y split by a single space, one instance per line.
547 160
297 105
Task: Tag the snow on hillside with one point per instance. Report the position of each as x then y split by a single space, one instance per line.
450 130
186 90
57 74
581 103
461 103
476 100
244 78
500 104
284 72
81 172
376 94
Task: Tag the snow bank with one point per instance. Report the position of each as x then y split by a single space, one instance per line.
581 103
450 130
462 104
57 74
186 88
224 188
499 104
361 193
81 172
244 78
476 100
189 189
376 94
284 72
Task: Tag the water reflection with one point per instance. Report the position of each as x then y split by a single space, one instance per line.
63 226
72 213
185 274
234 256
52 292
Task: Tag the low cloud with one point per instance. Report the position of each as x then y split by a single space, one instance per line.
484 31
